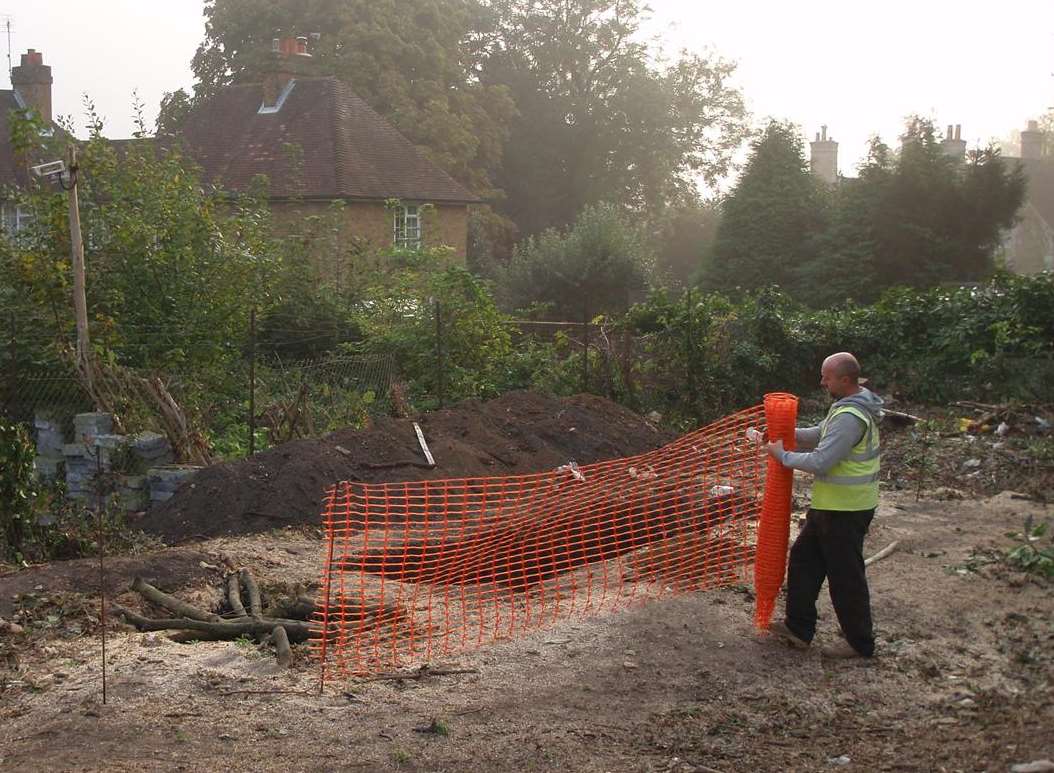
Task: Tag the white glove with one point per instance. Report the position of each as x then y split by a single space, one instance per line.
754 436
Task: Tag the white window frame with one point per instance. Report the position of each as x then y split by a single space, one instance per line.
406 227
14 221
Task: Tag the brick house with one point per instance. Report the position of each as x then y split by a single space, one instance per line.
314 140
318 143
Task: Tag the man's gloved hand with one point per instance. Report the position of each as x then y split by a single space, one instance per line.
753 435
775 449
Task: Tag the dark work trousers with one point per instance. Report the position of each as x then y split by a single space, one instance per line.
831 547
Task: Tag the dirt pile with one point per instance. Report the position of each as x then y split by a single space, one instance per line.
519 432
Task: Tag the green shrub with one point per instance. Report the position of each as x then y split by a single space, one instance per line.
441 324
601 265
18 491
702 356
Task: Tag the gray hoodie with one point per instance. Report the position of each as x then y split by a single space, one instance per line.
844 431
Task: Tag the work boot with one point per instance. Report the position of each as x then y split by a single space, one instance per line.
780 629
840 649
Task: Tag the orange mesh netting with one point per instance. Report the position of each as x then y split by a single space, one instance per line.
419 570
781 413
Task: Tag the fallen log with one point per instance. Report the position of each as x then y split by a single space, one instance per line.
296 630
281 646
234 594
187 637
171 603
253 591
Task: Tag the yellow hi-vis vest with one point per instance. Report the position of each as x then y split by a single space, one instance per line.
852 484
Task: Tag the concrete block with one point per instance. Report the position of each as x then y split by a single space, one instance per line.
75 450
49 468
133 482
92 424
149 442
109 442
50 441
153 449
45 421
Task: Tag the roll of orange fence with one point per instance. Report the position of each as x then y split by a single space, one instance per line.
781 414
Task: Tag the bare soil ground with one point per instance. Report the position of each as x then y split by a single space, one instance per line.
964 678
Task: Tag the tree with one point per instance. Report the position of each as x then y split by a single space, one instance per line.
599 266
172 268
686 235
933 218
601 118
917 218
414 64
175 105
842 264
771 219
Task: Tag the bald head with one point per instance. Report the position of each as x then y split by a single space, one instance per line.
839 375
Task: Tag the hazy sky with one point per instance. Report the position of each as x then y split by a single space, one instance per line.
857 67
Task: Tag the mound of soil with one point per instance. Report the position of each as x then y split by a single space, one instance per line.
517 433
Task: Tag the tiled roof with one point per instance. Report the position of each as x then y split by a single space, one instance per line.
324 142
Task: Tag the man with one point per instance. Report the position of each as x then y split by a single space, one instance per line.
843 455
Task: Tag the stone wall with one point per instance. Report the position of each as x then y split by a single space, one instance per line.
130 471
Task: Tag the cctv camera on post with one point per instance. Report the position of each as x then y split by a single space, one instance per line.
51 171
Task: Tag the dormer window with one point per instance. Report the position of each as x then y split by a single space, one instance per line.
407 227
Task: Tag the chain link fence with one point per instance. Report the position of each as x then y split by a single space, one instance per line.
276 401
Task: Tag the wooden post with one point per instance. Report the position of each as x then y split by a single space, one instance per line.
80 303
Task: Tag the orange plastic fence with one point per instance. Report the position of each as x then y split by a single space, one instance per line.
781 413
420 570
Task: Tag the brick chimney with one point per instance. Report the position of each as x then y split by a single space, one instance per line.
32 80
289 58
954 145
1032 141
823 158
